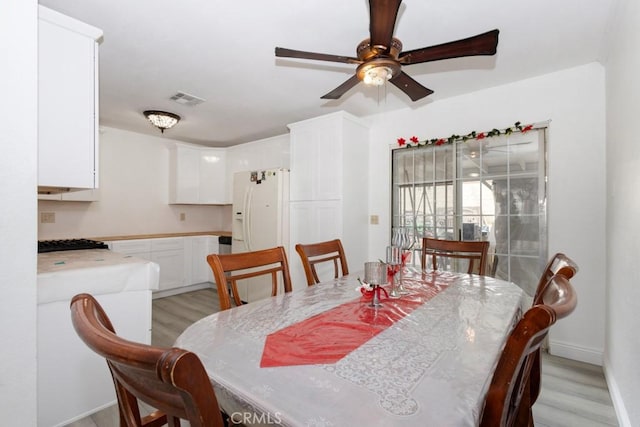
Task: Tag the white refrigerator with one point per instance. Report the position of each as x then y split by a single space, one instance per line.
260 220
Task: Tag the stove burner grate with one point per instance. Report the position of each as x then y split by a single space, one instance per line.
69 245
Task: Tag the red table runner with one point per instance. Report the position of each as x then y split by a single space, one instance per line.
330 336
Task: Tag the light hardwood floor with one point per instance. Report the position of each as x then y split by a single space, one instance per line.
573 394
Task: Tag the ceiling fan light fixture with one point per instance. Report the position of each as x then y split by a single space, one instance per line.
377 76
378 71
162 119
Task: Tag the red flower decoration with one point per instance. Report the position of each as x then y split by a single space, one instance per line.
441 141
481 135
527 128
414 139
401 142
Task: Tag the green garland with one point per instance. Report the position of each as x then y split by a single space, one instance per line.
415 142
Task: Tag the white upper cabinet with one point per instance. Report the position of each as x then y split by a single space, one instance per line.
213 177
67 103
197 175
322 156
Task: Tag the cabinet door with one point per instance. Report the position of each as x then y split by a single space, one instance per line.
328 161
171 264
140 248
312 222
184 175
198 176
201 246
316 159
67 94
303 153
212 178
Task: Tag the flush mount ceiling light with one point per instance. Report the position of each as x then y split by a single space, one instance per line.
161 119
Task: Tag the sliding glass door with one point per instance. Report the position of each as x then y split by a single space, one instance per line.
492 189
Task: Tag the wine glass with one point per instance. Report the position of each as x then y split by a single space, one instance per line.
406 244
394 261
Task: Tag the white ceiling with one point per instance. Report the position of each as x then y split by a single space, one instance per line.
223 51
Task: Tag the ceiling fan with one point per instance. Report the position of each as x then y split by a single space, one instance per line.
380 57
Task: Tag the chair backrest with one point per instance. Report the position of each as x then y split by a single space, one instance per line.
438 251
171 380
558 264
508 401
316 253
229 268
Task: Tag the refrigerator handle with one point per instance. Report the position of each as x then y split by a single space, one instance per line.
246 223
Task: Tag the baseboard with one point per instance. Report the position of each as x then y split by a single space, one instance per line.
183 289
616 397
573 352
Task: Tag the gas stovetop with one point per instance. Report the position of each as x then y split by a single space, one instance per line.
69 245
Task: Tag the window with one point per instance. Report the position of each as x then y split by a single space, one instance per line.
491 189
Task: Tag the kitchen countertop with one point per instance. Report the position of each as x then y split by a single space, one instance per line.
161 235
63 274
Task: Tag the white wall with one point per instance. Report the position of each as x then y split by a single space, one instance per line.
134 195
18 172
623 211
574 101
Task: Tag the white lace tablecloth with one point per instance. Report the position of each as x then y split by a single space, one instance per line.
431 368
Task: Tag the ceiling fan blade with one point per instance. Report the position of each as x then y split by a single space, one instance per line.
382 21
412 88
290 53
342 89
482 44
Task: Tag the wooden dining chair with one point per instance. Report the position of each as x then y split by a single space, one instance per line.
439 251
508 401
316 253
229 268
558 264
172 380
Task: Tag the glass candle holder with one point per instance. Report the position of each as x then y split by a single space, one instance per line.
375 275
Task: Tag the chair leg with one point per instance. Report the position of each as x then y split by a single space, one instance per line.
524 417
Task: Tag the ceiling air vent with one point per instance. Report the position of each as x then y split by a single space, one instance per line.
186 99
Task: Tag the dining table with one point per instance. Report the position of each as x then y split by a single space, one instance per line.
324 356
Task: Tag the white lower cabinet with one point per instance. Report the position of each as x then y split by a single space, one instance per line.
327 219
140 248
182 260
196 250
168 253
171 264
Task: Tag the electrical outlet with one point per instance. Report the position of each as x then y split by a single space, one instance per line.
374 220
183 216
47 217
